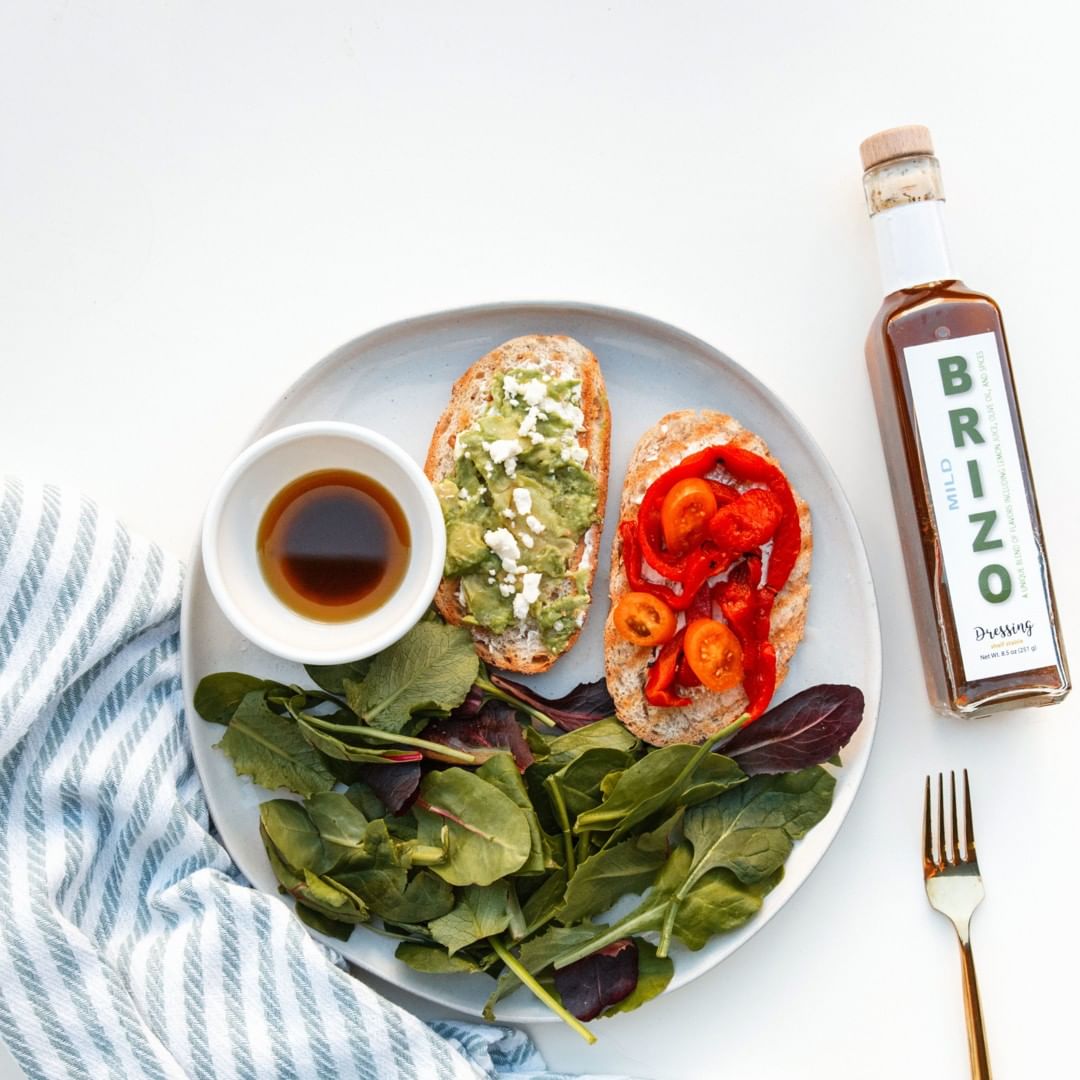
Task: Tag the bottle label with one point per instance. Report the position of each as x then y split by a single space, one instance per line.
992 567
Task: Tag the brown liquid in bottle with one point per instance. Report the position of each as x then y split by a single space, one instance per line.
942 311
334 545
954 444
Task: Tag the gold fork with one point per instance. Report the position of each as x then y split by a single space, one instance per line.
954 887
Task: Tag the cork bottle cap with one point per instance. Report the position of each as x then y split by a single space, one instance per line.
897 142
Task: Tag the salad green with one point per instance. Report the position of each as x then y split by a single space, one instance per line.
442 805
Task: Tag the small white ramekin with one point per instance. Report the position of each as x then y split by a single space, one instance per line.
231 525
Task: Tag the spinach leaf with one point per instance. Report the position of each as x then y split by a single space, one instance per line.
610 733
331 677
535 955
654 974
432 960
716 902
323 923
341 826
600 980
609 874
271 750
662 780
489 835
219 695
808 729
580 780
501 772
289 827
480 912
751 829
430 669
543 904
385 892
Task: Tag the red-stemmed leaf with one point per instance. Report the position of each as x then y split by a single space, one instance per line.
493 730
599 980
807 729
584 704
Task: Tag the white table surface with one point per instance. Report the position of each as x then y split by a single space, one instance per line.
198 201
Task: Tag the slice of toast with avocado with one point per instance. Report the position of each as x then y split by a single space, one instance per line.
520 459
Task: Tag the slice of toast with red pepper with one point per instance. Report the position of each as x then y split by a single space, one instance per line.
761 594
526 512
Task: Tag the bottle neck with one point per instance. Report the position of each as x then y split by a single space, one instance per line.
912 246
906 200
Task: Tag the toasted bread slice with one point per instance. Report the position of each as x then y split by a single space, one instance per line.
520 648
661 448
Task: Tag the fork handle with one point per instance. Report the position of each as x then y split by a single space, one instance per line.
980 1058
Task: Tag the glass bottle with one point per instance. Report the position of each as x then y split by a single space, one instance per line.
954 445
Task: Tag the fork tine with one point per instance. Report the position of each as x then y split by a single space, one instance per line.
954 854
969 827
928 835
941 819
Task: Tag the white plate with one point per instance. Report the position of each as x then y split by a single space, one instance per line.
396 380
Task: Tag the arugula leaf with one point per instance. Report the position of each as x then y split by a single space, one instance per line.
430 669
808 729
609 874
432 960
480 912
331 677
271 750
501 772
489 835
218 696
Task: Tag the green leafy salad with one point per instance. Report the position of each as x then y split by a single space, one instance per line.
492 830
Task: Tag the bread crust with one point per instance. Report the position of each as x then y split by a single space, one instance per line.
662 447
562 357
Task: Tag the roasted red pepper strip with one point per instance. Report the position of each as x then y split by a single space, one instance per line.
631 556
661 678
685 676
701 565
747 610
724 493
701 605
745 466
748 522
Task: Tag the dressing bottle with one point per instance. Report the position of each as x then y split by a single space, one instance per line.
954 444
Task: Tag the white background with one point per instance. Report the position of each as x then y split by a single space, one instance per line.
197 201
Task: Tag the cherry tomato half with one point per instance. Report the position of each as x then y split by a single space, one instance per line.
685 513
643 619
714 654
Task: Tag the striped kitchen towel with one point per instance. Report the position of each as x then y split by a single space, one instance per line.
131 946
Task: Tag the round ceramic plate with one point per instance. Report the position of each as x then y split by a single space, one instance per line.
397 380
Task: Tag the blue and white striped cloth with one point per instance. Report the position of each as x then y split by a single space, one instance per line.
130 944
